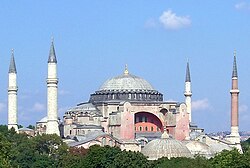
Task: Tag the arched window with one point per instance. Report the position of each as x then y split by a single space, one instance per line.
136 119
152 128
110 143
146 128
140 128
103 141
70 132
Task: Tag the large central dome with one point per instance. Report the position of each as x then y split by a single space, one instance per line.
126 87
126 82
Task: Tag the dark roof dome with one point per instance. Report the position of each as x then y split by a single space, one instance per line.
126 81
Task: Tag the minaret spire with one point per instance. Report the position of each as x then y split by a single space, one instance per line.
188 78
12 94
188 92
12 68
234 137
52 81
52 53
235 74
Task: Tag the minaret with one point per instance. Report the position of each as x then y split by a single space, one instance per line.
188 92
52 81
234 137
12 95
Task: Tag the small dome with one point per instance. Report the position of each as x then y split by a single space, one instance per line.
199 148
165 147
126 82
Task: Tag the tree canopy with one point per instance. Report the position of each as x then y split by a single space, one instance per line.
19 150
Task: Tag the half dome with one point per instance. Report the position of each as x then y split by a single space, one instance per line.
199 148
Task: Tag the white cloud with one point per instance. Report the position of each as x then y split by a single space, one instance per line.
38 107
242 6
171 21
2 107
200 104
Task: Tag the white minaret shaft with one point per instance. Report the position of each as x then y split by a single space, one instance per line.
188 93
52 81
12 95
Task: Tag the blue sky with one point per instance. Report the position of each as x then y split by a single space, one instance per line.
95 39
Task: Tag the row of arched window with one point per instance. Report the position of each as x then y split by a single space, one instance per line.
146 128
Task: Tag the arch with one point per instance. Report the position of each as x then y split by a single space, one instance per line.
148 121
164 111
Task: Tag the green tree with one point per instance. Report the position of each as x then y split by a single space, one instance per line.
246 145
3 129
183 162
100 157
31 127
231 158
126 159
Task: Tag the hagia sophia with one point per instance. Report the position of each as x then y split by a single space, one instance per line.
128 112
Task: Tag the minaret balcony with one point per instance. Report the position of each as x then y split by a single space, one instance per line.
52 80
188 93
12 88
235 91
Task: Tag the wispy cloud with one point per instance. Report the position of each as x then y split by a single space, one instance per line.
151 23
242 6
2 107
243 108
171 21
201 104
63 92
37 107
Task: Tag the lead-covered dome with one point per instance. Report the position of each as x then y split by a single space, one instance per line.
165 147
126 87
126 82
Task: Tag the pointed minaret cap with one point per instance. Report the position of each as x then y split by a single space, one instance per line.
126 70
188 78
234 74
52 54
12 68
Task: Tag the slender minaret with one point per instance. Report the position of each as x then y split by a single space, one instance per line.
12 95
188 92
52 122
234 137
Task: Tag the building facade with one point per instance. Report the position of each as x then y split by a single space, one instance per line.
127 107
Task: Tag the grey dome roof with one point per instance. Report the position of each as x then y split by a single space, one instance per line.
199 148
126 82
165 147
